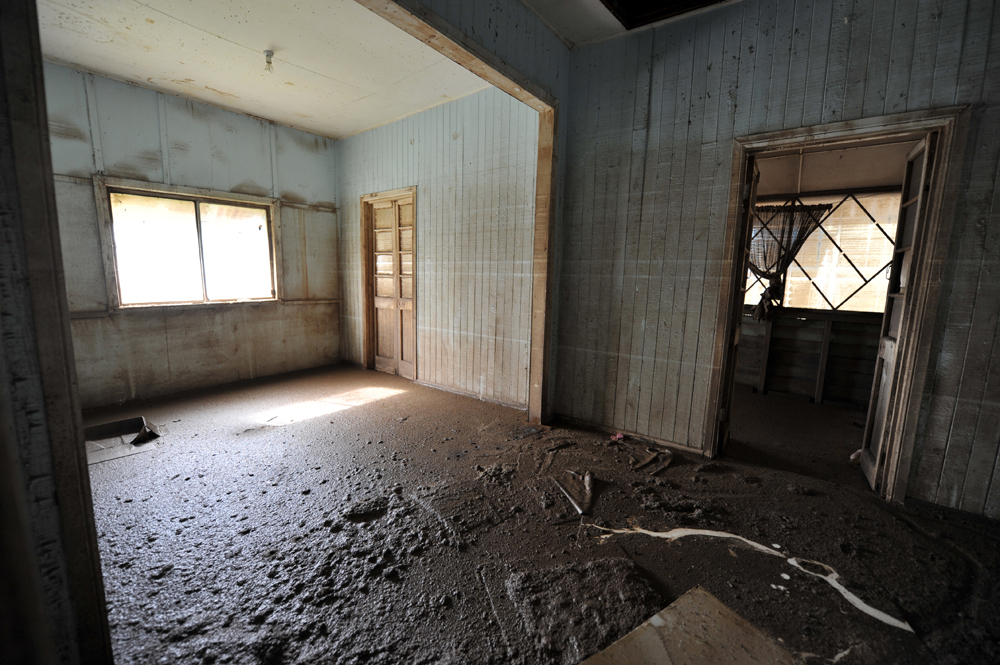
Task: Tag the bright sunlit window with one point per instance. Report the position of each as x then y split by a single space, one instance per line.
844 264
174 250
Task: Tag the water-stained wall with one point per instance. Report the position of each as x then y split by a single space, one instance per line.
98 125
473 164
652 120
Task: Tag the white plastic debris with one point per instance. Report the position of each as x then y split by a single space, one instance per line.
832 578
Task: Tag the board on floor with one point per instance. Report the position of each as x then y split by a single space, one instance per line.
696 629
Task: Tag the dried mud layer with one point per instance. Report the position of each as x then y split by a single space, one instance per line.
394 523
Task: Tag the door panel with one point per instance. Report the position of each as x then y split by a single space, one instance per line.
748 200
408 344
911 209
385 340
392 271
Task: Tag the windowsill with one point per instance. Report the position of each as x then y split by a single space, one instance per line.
210 303
169 308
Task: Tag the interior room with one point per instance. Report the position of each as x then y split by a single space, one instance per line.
522 331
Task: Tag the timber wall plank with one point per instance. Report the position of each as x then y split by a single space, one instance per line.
473 164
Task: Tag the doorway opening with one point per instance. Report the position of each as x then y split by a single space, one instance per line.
388 231
838 241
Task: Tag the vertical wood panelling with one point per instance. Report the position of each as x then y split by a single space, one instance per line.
644 232
860 58
876 76
961 394
473 164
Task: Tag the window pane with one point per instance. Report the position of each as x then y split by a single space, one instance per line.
383 264
383 241
754 289
383 218
406 214
156 249
861 241
237 252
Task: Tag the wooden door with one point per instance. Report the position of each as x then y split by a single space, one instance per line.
911 210
748 200
391 261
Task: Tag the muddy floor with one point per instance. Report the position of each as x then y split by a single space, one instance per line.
789 433
341 516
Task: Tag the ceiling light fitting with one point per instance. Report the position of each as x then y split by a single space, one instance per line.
268 67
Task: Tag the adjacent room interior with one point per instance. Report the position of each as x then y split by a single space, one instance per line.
423 331
805 371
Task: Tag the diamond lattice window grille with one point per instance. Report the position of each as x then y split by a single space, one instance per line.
839 265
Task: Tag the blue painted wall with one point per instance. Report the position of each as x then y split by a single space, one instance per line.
98 125
473 164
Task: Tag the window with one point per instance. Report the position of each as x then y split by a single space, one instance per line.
188 249
844 264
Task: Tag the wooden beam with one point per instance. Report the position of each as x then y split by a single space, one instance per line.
38 350
864 131
541 294
449 41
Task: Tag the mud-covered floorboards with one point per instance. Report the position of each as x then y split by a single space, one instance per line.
395 523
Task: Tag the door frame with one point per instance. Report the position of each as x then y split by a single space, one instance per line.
931 245
368 272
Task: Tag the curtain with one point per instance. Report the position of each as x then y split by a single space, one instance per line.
777 236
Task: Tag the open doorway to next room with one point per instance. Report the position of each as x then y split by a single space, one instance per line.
806 366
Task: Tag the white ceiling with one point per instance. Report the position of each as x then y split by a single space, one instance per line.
338 68
577 22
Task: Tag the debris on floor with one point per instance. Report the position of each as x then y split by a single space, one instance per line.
565 443
696 629
546 456
643 458
528 431
831 578
304 544
119 438
579 489
496 473
654 460
142 429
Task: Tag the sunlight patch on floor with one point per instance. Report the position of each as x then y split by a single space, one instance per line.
325 406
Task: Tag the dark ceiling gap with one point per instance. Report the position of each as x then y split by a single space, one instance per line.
637 13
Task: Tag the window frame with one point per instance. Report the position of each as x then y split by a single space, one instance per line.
105 186
778 199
